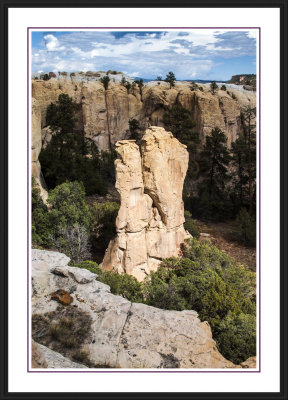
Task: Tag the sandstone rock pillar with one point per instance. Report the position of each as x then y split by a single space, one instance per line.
150 221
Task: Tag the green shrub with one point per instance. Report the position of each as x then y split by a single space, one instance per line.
244 229
70 217
41 224
223 87
208 281
68 205
124 285
66 226
190 225
237 337
91 266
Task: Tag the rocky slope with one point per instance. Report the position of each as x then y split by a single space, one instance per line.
104 115
120 334
150 221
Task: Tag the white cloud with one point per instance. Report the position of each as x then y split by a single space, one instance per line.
52 43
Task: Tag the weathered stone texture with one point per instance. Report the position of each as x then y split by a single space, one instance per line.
150 221
124 334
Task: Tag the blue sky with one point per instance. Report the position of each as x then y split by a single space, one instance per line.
190 54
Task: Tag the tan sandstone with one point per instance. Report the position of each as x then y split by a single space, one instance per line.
150 221
36 144
104 115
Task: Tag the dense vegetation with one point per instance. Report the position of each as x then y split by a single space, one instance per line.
206 280
70 225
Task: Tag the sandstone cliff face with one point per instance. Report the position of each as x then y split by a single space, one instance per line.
104 115
36 144
123 334
150 221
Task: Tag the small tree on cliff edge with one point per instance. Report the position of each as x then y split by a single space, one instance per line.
170 78
105 80
213 87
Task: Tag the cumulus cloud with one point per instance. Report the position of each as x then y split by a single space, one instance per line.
190 53
52 43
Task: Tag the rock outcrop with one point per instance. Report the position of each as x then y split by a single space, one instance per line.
36 144
122 334
150 221
43 357
104 115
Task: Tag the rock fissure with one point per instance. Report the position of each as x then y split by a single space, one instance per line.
121 334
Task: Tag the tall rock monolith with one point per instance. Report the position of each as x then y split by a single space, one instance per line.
150 221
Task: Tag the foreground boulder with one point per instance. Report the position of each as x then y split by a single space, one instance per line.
115 332
43 357
150 221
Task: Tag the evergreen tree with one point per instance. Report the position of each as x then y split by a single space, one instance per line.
214 163
134 129
239 174
70 155
249 124
60 116
170 78
105 80
140 85
213 87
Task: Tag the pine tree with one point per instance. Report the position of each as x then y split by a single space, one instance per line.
239 152
105 80
214 163
140 85
134 129
60 116
213 87
249 124
170 78
69 155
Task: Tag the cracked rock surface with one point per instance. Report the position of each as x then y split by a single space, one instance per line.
150 221
123 334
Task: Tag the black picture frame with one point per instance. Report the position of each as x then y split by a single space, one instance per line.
5 6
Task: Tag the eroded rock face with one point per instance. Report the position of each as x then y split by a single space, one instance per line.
36 144
104 115
123 334
150 221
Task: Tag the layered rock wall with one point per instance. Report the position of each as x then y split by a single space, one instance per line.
150 221
104 115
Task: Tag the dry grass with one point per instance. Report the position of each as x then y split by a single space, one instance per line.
65 330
